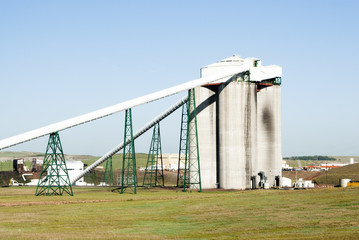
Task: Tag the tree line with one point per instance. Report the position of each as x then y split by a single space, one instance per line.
315 157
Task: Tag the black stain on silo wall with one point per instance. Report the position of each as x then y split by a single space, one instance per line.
248 131
268 122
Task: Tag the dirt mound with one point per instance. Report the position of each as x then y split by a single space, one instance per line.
306 175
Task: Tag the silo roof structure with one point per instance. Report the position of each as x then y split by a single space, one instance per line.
258 72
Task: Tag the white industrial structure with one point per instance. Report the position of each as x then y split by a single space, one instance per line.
74 168
239 123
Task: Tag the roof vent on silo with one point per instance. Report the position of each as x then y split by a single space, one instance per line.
234 58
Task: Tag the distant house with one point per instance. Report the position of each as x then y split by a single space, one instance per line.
326 166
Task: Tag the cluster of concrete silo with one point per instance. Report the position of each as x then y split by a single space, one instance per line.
239 125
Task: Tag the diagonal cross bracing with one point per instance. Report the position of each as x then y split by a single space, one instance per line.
136 135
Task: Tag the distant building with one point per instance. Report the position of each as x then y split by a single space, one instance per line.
74 168
285 165
313 168
326 166
36 164
18 165
170 161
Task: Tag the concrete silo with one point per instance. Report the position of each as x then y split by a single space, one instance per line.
206 118
239 128
269 132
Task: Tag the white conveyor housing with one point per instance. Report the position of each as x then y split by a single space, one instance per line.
256 75
128 140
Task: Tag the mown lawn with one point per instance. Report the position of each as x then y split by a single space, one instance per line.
98 213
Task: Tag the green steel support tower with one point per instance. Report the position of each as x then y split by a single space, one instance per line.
108 178
128 177
182 155
54 178
91 177
191 174
154 168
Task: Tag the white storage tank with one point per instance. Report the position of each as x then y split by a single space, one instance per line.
344 182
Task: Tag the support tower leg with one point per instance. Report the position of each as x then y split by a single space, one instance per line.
128 177
154 168
108 178
54 178
190 172
182 154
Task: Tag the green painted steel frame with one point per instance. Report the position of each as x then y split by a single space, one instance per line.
277 81
192 171
182 146
154 156
91 177
54 178
128 176
108 177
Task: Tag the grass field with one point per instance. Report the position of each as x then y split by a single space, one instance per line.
333 176
98 213
141 160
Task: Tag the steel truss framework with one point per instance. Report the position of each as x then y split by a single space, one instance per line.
128 176
54 178
91 177
108 177
154 167
182 147
189 173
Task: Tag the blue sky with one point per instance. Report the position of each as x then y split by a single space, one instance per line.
61 59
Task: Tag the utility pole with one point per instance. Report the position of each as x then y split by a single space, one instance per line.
326 173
